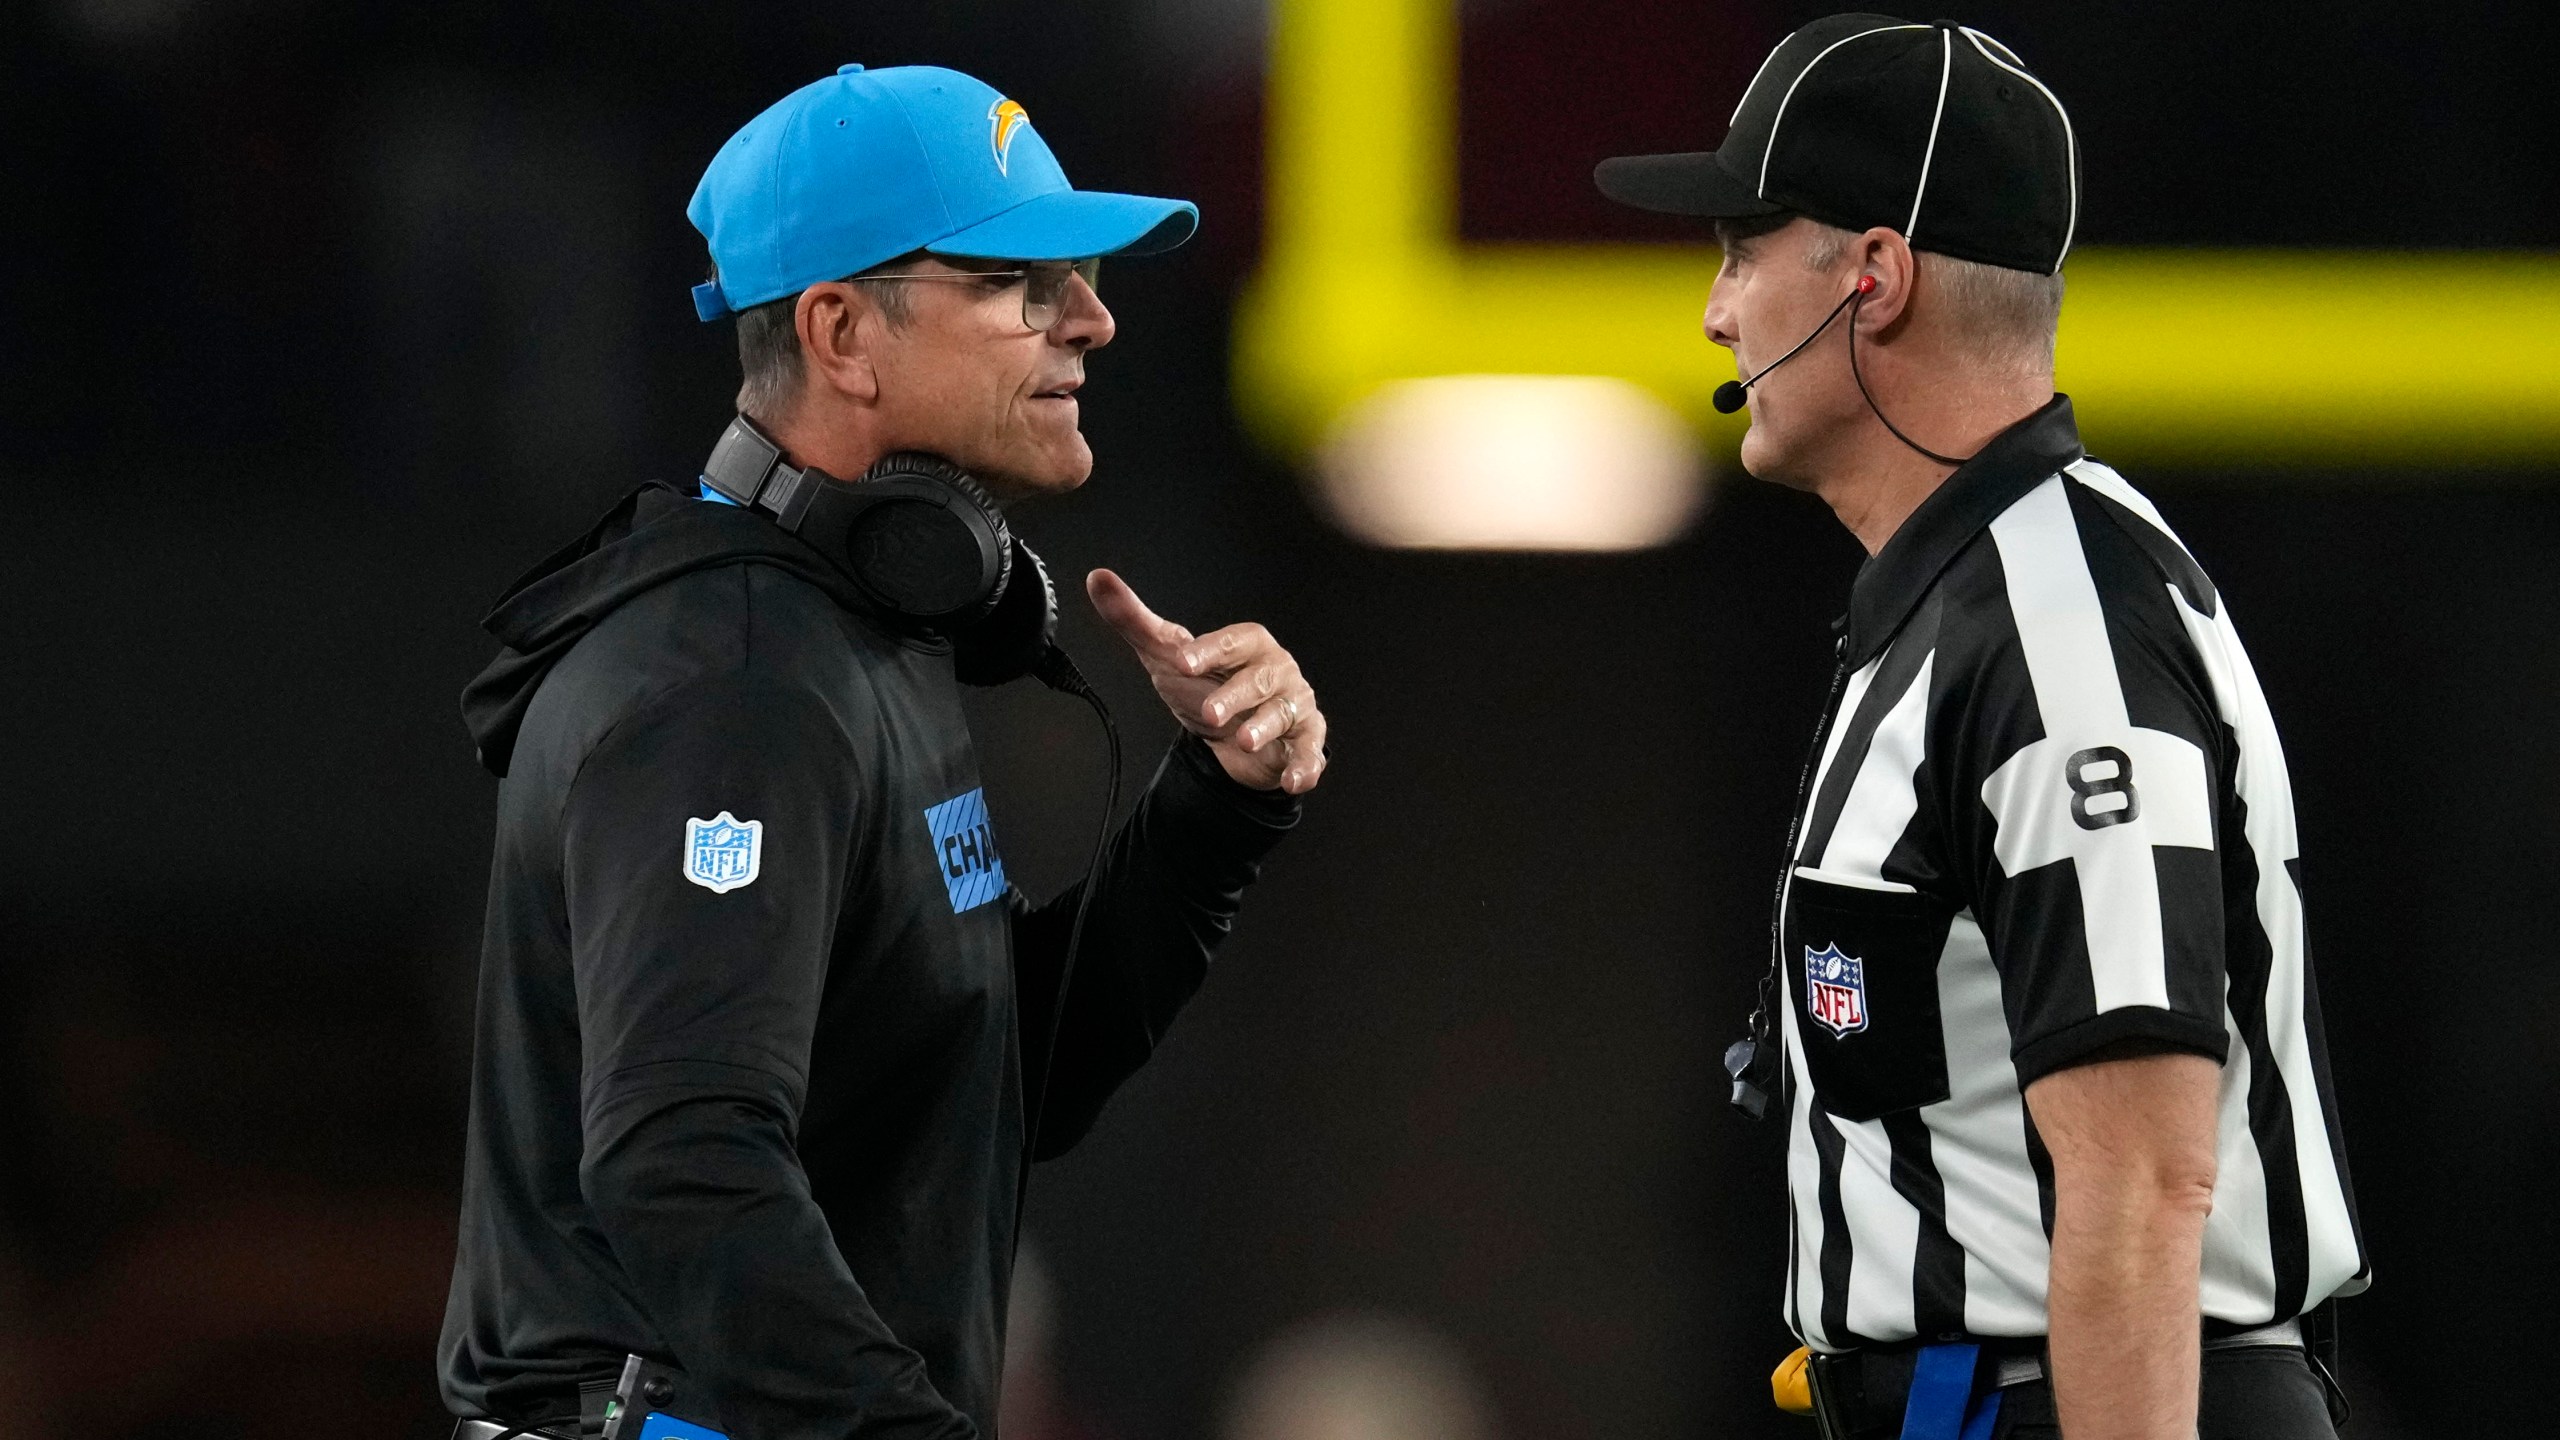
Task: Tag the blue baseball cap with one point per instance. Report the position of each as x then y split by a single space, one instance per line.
868 165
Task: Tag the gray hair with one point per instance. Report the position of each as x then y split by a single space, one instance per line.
2004 317
769 364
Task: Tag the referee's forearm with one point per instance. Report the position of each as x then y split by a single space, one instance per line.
2133 1175
2125 1329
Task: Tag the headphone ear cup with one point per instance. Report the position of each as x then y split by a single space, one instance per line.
1017 633
926 542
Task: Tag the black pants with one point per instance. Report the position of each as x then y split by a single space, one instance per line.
2264 1392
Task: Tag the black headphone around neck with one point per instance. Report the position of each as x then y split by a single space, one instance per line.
923 542
926 545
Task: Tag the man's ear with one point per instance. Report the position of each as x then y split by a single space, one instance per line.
840 334
1883 254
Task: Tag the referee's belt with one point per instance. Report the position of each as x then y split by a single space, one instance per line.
1937 1392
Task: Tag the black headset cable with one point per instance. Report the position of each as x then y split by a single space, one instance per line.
1857 300
1058 671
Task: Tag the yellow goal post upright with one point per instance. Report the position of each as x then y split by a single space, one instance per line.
2175 357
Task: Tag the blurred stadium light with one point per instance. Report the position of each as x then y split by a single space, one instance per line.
1359 1377
2178 357
1511 462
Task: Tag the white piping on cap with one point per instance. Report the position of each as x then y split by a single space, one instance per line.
1755 81
2070 141
1994 42
1946 66
1762 191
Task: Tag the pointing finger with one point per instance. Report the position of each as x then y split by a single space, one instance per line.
1121 609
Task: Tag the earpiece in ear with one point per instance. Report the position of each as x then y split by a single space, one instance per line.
1866 284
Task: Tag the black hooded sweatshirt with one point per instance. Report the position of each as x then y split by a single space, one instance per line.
748 1091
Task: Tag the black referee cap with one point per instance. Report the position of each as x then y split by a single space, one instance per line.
1936 131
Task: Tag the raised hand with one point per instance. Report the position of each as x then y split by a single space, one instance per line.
1234 687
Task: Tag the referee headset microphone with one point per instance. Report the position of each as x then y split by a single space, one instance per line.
927 547
1730 395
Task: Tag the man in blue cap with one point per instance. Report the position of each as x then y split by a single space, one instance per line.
766 1041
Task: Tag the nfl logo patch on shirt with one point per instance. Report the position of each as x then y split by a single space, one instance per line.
965 846
723 853
1835 990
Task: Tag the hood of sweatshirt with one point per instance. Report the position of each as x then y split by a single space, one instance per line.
653 535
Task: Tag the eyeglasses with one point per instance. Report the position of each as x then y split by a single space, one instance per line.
1044 287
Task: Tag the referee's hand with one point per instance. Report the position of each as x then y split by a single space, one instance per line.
1234 687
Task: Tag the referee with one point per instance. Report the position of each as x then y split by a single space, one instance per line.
2061 1144
766 1042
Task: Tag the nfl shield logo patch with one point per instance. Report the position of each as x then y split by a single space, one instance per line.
723 853
1835 990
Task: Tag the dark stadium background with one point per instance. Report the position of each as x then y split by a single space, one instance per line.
319 322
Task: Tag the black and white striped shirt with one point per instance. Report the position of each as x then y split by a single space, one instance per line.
2050 814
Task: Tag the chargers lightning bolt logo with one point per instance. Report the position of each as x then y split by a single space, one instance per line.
1003 118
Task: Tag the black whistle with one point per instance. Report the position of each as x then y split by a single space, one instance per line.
1749 1095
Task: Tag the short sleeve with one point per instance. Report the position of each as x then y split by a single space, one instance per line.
2091 777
